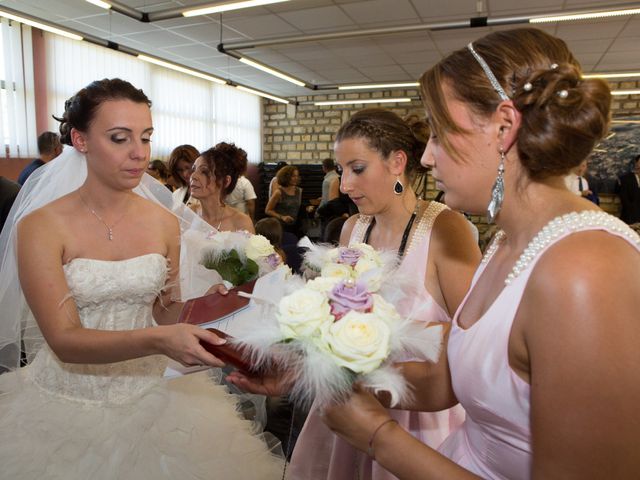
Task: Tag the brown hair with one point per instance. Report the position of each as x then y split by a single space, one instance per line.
284 175
557 131
271 229
80 110
188 153
225 159
386 132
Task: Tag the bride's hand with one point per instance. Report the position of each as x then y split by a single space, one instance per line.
271 383
181 342
217 288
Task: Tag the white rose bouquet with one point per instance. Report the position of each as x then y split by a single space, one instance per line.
239 257
337 328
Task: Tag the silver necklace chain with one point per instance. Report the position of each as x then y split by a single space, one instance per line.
109 228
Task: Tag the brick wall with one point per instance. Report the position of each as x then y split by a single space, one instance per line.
304 133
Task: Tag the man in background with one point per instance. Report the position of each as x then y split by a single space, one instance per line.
630 193
49 147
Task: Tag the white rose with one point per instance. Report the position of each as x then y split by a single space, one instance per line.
302 313
257 247
322 284
385 311
359 341
337 270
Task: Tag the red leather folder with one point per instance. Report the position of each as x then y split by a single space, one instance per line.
215 306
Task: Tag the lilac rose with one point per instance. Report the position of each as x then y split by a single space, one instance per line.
273 260
349 256
349 295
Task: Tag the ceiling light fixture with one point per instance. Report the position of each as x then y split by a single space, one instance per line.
584 16
271 71
262 94
380 86
626 92
100 3
611 75
178 68
373 100
39 25
225 7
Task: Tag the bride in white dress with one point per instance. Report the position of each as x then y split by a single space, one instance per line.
99 269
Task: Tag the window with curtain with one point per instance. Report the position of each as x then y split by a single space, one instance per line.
185 109
17 103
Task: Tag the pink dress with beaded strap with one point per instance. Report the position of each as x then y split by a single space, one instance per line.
321 455
495 439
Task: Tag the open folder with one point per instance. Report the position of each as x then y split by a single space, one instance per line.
233 313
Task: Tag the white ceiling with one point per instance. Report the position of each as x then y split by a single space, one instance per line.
605 45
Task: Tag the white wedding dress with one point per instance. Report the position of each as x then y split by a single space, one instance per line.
122 420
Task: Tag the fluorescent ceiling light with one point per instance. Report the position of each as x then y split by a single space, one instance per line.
626 92
378 86
100 3
39 25
271 71
373 100
225 7
178 68
584 16
261 94
612 75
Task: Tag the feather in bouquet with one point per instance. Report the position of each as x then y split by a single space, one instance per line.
337 328
239 257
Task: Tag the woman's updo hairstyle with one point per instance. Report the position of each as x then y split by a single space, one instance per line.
224 160
80 110
386 132
563 115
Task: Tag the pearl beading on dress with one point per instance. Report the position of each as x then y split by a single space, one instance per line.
426 222
568 223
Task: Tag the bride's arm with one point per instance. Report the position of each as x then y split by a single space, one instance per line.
47 293
168 306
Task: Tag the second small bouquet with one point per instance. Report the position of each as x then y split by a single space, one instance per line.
337 328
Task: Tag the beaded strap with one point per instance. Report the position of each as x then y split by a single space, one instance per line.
427 219
360 228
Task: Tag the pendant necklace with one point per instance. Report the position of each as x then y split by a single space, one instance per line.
109 228
221 216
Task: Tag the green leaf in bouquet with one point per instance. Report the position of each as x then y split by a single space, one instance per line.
231 268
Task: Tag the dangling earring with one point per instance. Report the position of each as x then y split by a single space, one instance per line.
497 192
398 187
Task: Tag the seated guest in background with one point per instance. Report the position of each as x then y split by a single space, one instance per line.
630 193
271 229
49 147
273 184
285 201
8 193
158 170
180 165
215 174
243 197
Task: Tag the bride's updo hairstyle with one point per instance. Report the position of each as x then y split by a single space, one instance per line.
386 132
225 159
563 115
80 109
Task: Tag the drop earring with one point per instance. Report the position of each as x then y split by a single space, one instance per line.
497 192
398 187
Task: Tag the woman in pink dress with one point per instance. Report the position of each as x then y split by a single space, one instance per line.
379 155
543 351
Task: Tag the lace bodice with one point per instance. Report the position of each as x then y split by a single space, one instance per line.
110 295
